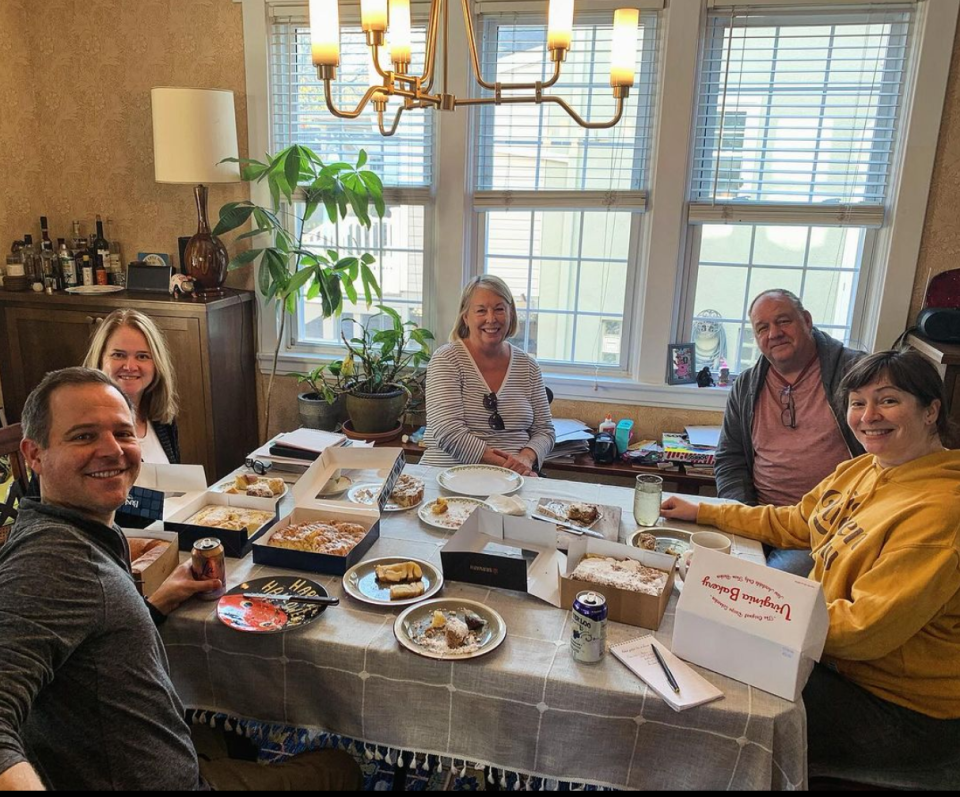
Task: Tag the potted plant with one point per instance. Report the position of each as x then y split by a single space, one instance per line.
322 407
286 266
382 369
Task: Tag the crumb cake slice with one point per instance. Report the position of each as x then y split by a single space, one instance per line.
408 491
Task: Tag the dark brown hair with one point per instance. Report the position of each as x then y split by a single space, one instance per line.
909 371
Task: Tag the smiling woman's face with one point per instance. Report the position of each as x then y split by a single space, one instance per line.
891 423
487 317
128 359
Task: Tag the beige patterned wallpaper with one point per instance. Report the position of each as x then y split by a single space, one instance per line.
940 247
76 140
81 81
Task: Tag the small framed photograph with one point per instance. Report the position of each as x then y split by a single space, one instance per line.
154 258
680 364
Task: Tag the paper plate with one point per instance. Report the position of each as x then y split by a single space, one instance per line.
416 618
366 494
480 480
259 616
360 582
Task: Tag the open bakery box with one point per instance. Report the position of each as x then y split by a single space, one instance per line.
384 464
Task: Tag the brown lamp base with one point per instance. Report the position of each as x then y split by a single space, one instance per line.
205 257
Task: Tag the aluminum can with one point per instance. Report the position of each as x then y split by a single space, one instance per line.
589 641
208 561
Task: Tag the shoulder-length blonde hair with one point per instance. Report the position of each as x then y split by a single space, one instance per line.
159 402
491 283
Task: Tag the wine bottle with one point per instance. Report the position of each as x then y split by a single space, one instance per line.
31 264
101 248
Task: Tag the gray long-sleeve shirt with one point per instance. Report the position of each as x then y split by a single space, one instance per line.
85 691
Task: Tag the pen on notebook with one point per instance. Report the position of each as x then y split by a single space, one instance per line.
666 669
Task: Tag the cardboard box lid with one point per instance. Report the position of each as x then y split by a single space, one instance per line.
758 600
172 478
484 527
388 462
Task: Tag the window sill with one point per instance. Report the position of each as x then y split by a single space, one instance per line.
564 386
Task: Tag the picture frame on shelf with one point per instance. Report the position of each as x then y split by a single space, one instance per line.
681 364
155 259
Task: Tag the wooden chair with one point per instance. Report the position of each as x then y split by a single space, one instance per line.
10 437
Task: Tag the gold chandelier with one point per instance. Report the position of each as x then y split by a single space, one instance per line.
415 90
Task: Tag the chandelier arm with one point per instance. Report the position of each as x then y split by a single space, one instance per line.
429 63
393 128
547 98
328 96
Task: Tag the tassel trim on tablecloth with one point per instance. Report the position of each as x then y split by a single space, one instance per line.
415 760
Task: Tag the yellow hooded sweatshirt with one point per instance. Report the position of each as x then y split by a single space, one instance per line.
886 548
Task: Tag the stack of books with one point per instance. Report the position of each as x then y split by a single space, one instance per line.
696 449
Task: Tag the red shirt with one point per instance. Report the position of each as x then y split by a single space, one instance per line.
791 462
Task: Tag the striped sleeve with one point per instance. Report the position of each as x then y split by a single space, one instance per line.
446 417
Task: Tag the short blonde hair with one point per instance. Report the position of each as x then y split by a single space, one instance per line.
491 283
159 402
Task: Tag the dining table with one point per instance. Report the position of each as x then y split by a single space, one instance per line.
527 707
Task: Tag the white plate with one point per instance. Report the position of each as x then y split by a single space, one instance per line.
366 495
226 484
360 582
89 290
491 636
458 510
480 480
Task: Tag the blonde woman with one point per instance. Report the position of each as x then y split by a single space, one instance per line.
486 401
130 348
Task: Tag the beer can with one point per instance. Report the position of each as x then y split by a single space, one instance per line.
207 562
589 641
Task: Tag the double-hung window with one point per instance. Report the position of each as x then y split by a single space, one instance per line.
797 125
559 208
405 163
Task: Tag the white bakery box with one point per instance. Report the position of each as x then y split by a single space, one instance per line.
623 606
236 543
156 484
155 573
752 623
506 552
309 507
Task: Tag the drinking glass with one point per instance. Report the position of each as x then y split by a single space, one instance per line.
647 499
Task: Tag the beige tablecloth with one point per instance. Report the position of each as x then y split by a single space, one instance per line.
527 707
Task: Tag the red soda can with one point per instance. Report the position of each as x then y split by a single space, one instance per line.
208 562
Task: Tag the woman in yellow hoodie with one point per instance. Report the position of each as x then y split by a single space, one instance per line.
884 705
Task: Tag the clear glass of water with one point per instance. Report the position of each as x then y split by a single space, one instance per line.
647 498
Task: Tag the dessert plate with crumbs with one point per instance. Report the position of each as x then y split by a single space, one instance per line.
450 629
407 494
449 513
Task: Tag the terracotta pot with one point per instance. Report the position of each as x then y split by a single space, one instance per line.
372 437
376 412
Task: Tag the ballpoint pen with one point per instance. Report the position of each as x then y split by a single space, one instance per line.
666 670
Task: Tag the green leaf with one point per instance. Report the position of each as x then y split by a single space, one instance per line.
333 254
250 234
232 217
362 160
253 171
298 280
314 290
375 188
290 303
264 279
248 257
390 312
370 284
366 258
291 170
349 287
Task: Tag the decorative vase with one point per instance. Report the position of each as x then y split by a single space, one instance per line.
316 413
376 412
205 257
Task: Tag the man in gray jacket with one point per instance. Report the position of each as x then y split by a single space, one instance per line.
86 699
784 429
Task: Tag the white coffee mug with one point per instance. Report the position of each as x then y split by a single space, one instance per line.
710 540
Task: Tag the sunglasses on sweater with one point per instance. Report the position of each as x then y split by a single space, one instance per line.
495 421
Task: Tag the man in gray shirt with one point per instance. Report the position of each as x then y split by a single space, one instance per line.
86 700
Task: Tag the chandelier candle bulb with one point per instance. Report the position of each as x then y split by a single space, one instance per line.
623 61
325 32
373 15
400 35
559 24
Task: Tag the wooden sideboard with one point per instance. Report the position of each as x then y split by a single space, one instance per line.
946 356
211 344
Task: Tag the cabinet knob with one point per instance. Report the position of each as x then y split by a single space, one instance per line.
94 319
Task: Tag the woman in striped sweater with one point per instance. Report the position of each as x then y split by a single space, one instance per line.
485 398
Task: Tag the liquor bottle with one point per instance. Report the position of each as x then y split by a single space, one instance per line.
78 243
48 257
101 248
86 269
68 265
31 263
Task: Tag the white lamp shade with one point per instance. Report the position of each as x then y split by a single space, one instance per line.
193 130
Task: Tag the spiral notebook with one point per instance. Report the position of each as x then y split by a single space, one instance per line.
638 656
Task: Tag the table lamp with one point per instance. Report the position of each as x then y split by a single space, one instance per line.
193 130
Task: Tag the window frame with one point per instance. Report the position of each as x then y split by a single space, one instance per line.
452 246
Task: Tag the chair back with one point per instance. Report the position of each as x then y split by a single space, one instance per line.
10 437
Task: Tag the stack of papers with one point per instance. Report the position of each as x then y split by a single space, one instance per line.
573 437
296 450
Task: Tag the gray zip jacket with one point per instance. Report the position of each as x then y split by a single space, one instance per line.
85 690
735 456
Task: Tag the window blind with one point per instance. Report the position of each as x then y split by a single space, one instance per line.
799 107
539 147
299 114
